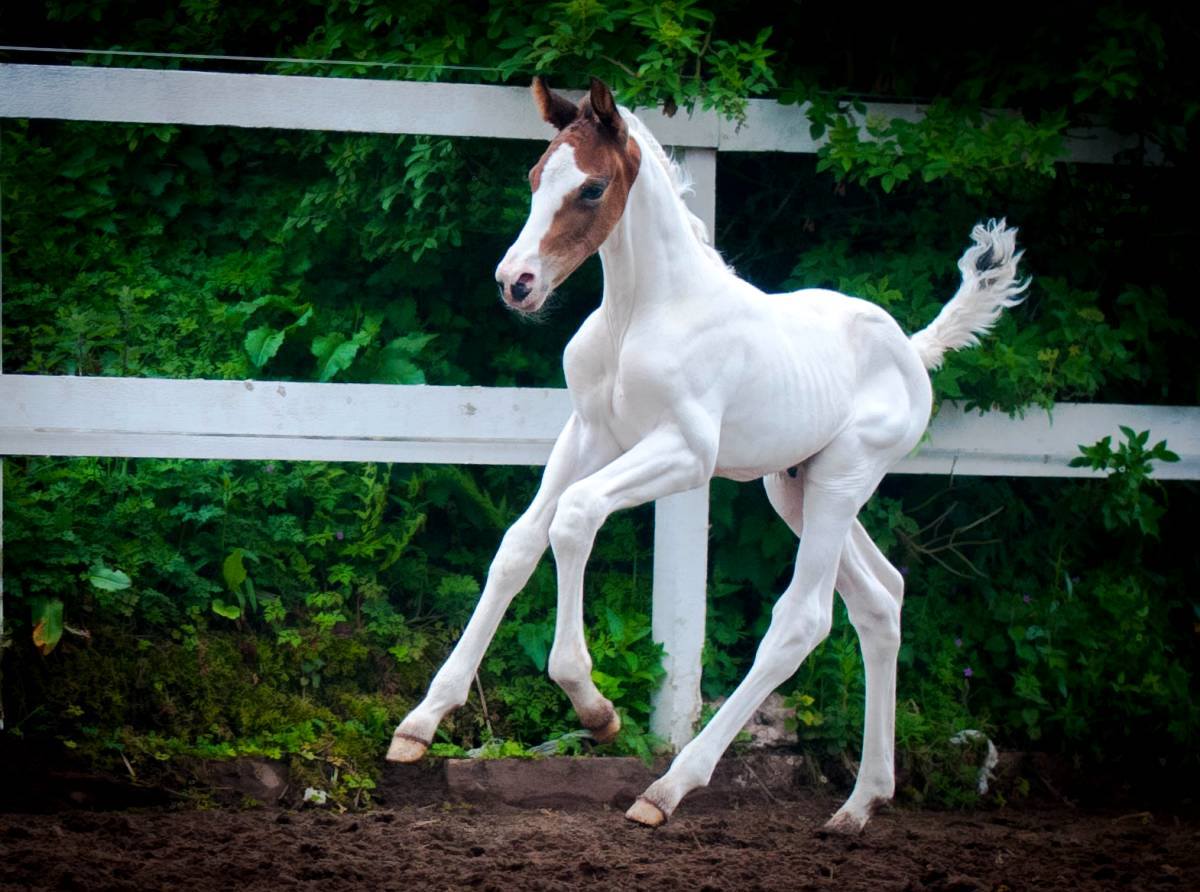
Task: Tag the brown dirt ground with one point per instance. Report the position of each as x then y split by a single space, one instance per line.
443 846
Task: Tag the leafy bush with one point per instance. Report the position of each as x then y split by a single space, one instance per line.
159 608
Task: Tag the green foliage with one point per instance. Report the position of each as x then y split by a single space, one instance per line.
678 60
166 609
1133 496
982 151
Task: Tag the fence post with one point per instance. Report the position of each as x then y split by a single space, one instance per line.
680 576
2 629
681 549
2 639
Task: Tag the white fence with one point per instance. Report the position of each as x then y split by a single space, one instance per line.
50 415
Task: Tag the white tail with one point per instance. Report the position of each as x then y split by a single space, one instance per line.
989 285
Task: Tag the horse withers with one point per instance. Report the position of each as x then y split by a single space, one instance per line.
685 372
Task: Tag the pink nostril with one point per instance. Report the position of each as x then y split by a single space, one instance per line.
520 289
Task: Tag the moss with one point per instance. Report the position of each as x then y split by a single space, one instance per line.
119 699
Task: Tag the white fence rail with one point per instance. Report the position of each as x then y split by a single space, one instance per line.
159 418
143 96
470 425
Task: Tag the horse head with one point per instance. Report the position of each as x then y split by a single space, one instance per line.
579 189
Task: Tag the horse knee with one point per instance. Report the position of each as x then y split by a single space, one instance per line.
518 554
576 519
795 630
878 621
810 620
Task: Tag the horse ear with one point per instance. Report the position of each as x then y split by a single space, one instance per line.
605 107
555 109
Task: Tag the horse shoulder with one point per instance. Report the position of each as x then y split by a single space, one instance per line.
586 356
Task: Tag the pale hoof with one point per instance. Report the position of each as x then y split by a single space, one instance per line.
643 811
608 732
406 750
847 823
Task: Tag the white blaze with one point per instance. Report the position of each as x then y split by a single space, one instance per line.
561 177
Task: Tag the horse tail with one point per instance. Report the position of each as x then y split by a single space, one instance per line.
989 285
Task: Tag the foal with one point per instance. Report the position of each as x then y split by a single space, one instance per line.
685 372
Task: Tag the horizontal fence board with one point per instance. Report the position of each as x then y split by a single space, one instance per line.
1042 445
47 415
50 415
295 102
134 95
773 127
216 446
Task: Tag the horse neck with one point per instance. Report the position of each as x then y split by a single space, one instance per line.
653 255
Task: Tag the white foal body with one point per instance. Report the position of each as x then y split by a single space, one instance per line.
684 372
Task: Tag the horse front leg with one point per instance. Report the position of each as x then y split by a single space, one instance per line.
660 465
578 451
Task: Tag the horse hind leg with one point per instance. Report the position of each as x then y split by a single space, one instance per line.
873 591
800 620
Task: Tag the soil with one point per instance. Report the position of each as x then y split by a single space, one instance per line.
747 843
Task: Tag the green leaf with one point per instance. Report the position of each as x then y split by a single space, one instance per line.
535 641
334 354
301 320
229 611
234 570
263 343
616 625
195 159
398 370
251 595
108 580
47 623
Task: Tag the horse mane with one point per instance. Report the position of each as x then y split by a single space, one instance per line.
681 183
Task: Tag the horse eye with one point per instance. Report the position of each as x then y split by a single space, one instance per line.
592 191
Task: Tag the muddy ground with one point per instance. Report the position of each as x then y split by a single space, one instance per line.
747 842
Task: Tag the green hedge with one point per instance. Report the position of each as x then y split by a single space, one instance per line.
159 608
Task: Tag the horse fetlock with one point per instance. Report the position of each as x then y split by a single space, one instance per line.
444 696
871 790
602 720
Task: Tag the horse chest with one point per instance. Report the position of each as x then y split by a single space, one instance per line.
613 403
618 394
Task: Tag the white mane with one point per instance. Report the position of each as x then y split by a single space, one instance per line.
681 183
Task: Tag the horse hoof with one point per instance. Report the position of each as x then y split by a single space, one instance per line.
846 823
607 732
645 812
406 750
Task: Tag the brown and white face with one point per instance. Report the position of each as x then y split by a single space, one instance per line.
579 187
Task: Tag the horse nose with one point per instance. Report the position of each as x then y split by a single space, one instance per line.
520 289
